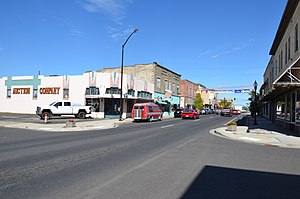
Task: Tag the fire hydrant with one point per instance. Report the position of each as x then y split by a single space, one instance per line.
46 117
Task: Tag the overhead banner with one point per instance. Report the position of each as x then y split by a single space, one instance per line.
226 91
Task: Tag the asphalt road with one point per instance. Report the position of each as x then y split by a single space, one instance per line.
173 158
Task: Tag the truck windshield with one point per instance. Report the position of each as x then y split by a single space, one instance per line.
53 103
139 107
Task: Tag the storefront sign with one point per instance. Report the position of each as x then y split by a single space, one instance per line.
50 90
18 91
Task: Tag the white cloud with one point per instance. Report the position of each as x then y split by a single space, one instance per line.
226 49
116 34
75 32
113 8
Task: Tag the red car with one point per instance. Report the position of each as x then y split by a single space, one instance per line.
190 113
234 112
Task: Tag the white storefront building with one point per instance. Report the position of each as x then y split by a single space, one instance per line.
22 94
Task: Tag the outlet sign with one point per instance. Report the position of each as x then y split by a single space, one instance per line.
19 91
50 90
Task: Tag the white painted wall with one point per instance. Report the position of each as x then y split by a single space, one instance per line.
24 103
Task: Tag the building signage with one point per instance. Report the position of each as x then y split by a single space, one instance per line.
50 90
17 91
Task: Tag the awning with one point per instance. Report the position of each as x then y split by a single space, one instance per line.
161 102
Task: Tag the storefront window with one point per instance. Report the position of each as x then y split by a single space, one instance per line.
298 107
66 93
280 112
8 95
35 93
288 108
130 104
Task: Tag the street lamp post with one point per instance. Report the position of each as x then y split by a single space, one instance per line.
255 102
121 93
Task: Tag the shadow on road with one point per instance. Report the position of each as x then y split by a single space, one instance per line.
227 183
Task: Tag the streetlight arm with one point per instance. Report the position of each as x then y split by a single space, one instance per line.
129 37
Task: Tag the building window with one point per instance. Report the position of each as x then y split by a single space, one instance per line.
8 94
131 92
281 61
174 87
276 69
166 84
66 93
144 94
113 90
35 94
289 48
296 38
92 91
158 82
177 88
285 53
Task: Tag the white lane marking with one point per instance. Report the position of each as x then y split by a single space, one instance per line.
98 127
9 117
234 119
45 128
167 126
250 139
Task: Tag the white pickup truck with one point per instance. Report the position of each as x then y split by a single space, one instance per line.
59 108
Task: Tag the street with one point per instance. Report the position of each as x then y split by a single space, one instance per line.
171 158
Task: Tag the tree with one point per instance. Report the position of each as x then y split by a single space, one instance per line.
254 105
225 103
198 101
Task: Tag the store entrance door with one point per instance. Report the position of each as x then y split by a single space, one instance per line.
93 102
112 108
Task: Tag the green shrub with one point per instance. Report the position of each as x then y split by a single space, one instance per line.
231 123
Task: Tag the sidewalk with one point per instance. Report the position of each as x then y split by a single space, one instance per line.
96 124
264 133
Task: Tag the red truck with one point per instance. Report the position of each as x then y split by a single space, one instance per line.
146 111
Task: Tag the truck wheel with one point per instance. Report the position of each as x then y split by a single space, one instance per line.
81 115
44 115
151 119
159 118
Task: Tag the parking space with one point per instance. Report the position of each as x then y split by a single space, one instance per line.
32 118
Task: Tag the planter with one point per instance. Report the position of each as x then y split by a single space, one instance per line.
231 127
70 123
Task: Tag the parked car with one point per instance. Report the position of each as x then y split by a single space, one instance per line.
218 111
146 112
190 113
59 108
177 112
202 112
234 112
226 112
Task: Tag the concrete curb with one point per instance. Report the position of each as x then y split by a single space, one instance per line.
258 136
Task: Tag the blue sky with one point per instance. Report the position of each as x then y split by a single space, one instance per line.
220 44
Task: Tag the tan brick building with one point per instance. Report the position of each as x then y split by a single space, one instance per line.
166 83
